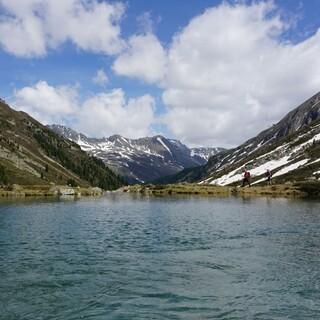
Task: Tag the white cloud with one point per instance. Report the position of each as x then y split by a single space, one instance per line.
145 22
23 34
229 75
225 76
47 103
109 113
29 27
144 58
104 114
100 78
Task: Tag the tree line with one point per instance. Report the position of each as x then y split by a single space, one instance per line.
86 167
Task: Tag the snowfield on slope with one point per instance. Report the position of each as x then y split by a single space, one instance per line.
284 150
237 174
291 167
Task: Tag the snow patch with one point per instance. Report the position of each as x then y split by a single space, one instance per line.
237 174
291 167
164 145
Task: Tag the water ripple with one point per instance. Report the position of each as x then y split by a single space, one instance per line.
123 257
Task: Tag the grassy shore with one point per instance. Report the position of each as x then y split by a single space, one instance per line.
303 189
20 191
299 189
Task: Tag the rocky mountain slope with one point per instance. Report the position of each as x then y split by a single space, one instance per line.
140 160
32 154
290 149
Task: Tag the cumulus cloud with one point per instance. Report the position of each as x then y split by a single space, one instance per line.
103 114
28 28
229 75
144 58
47 103
100 78
110 113
225 76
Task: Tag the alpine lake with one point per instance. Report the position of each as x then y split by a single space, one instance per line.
129 256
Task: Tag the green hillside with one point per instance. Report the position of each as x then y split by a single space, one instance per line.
31 154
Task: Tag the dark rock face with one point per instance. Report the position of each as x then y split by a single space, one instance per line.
303 115
140 160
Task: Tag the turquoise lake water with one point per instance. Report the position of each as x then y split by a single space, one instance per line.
127 257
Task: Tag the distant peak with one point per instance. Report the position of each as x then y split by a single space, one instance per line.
59 126
115 137
158 136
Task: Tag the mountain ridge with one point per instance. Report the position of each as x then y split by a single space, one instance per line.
301 119
143 159
32 154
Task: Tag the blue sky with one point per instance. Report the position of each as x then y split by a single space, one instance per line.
186 69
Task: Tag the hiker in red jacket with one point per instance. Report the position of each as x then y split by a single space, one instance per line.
246 178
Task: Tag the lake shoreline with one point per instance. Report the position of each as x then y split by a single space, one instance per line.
47 191
292 190
299 190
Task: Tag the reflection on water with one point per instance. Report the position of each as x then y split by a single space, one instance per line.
133 257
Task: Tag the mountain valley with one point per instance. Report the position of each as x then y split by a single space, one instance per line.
140 160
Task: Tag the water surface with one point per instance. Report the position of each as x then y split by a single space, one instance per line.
126 257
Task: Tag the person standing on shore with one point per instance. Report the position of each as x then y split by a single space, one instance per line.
246 178
269 177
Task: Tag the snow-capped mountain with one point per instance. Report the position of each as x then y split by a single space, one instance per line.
290 149
140 160
205 153
294 159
